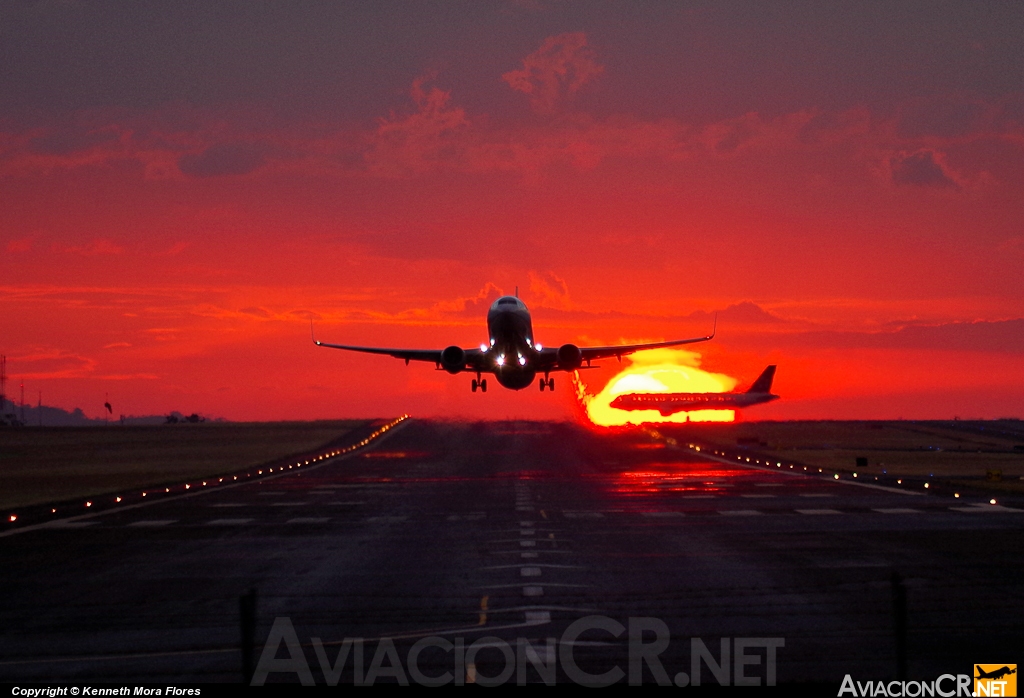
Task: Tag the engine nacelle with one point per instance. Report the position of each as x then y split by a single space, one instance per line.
569 357
453 359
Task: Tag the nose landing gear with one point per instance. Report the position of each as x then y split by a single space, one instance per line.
482 384
547 382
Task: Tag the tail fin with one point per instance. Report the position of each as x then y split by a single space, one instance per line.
763 384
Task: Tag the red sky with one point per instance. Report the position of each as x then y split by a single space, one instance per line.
184 187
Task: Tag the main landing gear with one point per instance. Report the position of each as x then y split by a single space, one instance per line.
549 382
482 384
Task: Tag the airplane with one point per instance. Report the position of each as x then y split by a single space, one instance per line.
511 353
995 673
669 403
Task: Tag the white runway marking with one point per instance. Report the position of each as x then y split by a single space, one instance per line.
817 512
740 512
154 522
228 522
897 511
533 591
662 514
538 617
529 571
310 519
528 555
527 531
527 543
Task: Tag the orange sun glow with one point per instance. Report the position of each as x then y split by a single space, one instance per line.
658 371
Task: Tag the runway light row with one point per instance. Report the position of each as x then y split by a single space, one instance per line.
12 518
723 454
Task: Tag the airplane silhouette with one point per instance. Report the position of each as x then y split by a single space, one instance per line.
995 673
511 353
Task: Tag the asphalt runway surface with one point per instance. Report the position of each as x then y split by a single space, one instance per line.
502 535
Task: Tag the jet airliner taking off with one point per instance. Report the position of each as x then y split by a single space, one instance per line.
511 353
670 403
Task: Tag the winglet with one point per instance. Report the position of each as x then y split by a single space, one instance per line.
714 327
311 335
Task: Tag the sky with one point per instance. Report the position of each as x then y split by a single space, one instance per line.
185 186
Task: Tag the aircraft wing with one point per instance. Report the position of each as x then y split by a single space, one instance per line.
592 353
472 356
433 355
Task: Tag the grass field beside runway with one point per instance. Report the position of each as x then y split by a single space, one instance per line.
41 465
903 448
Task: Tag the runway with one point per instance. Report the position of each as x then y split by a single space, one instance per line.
516 530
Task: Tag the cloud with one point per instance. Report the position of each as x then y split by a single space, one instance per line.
745 313
224 159
556 71
421 140
924 168
549 290
1002 336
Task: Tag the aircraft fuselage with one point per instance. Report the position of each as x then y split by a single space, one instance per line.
511 349
670 403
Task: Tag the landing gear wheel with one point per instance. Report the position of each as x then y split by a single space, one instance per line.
483 385
474 385
542 384
551 384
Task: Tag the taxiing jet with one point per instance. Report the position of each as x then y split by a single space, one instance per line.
670 403
511 353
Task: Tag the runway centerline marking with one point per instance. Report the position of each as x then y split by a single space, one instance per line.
740 512
817 512
898 510
529 571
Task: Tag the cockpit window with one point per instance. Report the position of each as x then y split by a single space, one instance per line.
507 301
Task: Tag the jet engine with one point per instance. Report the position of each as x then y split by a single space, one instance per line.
453 359
569 357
